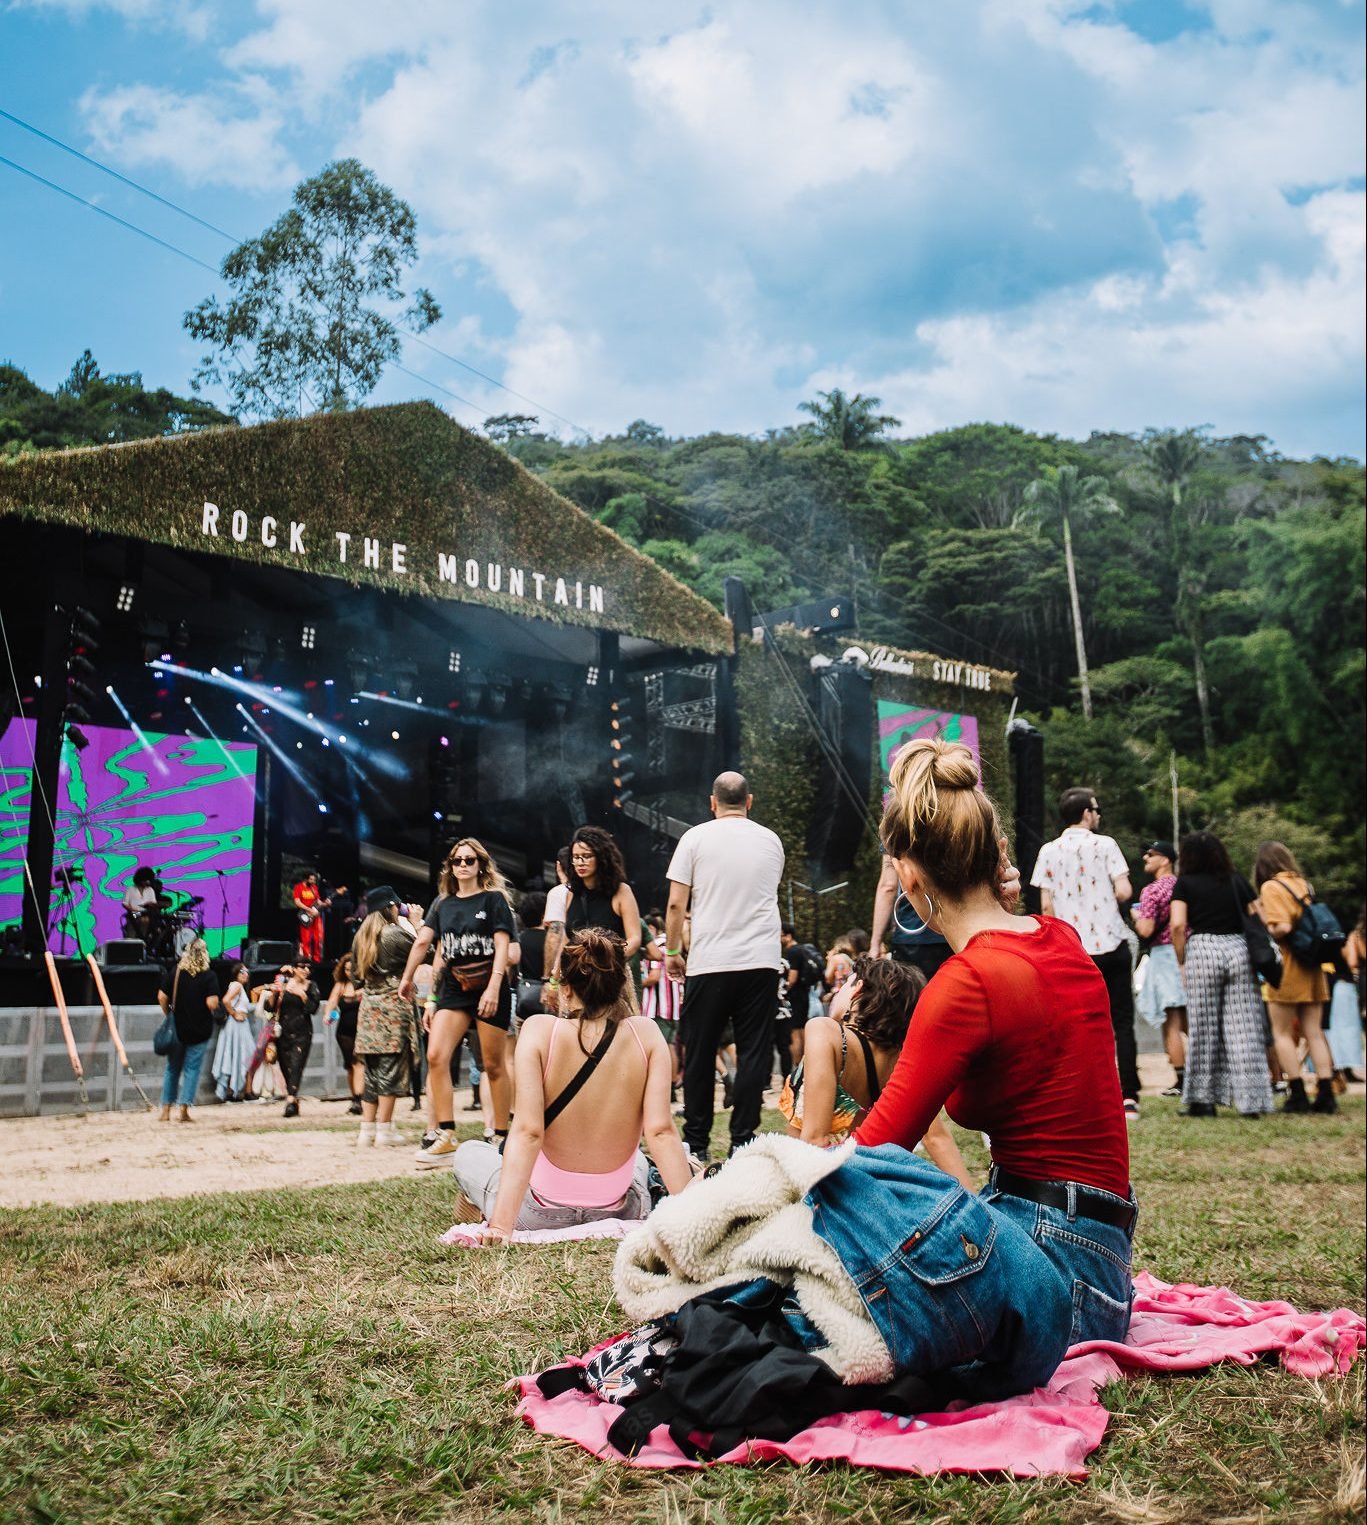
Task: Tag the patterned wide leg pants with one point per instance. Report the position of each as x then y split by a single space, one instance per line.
1226 1044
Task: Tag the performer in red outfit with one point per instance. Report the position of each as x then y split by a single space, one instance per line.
1012 1037
309 902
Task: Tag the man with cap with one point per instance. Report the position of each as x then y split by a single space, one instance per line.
1163 1000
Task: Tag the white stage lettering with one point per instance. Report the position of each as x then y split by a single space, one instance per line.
484 576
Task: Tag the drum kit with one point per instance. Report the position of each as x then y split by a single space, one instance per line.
169 925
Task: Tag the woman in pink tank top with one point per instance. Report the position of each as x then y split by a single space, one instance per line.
590 1083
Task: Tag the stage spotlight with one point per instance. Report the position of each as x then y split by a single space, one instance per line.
393 735
496 693
591 677
154 636
278 648
180 637
124 601
357 669
77 737
307 636
556 699
251 651
453 662
403 679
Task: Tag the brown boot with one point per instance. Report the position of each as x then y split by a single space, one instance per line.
1325 1100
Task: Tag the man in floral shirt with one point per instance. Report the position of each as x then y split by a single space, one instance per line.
1083 879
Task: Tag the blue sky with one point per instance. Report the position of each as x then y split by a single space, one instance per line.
1066 216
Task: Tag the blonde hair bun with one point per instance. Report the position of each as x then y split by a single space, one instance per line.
938 813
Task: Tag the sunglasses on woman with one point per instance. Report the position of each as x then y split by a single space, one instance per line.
464 862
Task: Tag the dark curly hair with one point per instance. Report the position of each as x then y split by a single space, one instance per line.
612 871
594 966
887 997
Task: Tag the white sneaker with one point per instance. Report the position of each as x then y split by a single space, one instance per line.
366 1135
387 1135
439 1151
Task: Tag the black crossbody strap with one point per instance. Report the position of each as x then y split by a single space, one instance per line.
875 1089
580 1076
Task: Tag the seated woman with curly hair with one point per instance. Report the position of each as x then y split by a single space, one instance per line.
849 1055
590 1082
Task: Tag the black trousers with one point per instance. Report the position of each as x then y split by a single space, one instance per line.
748 999
1115 970
292 1050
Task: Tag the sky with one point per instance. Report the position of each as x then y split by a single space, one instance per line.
1066 216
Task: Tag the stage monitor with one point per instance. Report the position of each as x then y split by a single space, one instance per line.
183 805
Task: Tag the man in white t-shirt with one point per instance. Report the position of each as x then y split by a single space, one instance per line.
1083 879
730 866
557 905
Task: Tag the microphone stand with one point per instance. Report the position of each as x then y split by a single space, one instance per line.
223 914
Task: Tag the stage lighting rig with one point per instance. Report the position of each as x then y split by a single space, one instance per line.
621 731
82 642
403 679
155 636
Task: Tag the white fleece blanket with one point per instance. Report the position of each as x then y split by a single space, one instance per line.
748 1221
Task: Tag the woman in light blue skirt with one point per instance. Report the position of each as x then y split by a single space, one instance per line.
236 1040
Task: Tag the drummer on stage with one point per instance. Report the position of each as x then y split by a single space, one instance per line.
140 902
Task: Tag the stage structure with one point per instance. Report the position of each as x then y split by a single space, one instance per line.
338 642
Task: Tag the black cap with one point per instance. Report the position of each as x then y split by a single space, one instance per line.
1163 849
380 897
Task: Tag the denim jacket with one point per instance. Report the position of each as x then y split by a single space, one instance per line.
955 1288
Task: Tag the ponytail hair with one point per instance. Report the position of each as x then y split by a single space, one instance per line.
365 949
939 815
594 966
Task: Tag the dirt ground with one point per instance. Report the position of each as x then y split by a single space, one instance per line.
130 1156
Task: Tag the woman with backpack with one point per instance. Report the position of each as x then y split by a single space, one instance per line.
1283 896
590 1082
192 1002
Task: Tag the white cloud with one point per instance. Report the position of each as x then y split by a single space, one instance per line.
1228 357
195 21
204 143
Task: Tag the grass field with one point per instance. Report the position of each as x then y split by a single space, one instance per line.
317 1356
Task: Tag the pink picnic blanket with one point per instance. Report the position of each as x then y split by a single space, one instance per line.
1049 1431
466 1235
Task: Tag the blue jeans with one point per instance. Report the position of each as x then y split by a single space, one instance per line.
181 1080
1093 1257
958 1290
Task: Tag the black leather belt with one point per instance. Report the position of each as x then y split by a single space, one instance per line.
1088 1202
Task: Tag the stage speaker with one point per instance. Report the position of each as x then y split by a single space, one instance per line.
262 952
845 711
125 950
1026 745
133 984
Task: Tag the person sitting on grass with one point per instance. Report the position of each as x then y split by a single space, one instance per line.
589 1083
849 1055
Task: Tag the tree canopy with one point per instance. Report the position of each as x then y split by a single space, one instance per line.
91 409
316 303
1224 560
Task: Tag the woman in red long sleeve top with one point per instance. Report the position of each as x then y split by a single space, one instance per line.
1012 1037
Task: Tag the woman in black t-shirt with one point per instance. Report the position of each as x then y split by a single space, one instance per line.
191 994
1227 1026
601 898
471 923
293 1000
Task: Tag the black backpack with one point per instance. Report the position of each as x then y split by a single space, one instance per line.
810 966
1317 937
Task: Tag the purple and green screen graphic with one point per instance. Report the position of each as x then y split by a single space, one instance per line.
181 804
901 723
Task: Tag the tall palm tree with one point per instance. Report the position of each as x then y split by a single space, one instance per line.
850 422
1061 494
1173 459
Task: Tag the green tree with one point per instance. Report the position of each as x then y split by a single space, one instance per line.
852 423
1063 494
315 311
1173 458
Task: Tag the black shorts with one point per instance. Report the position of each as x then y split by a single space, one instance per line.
452 998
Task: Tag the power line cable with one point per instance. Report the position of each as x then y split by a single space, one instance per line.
521 396
47 137
122 222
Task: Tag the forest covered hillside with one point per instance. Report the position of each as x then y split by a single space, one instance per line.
1221 586
1221 590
